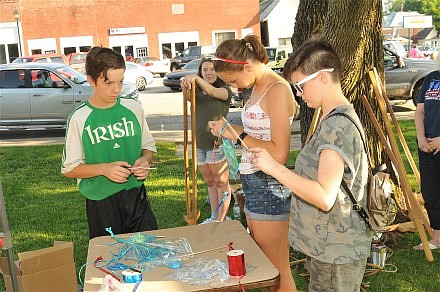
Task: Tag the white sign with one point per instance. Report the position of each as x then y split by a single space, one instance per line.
419 21
127 30
177 9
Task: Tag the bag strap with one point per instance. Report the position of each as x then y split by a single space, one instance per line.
360 133
358 208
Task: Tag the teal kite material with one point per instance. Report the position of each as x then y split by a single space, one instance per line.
228 149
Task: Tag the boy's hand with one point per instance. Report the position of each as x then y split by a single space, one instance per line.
141 168
117 171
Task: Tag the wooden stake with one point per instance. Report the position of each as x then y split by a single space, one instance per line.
396 125
417 215
192 213
313 123
409 196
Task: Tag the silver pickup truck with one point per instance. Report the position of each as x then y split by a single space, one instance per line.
42 95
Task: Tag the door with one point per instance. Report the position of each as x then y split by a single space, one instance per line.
14 98
51 101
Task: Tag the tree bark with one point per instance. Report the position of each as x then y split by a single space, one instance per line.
354 28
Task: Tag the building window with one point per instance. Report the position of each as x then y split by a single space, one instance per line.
13 52
117 49
190 44
69 50
179 47
223 36
84 48
142 52
166 51
284 41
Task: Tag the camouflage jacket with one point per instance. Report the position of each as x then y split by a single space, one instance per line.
338 236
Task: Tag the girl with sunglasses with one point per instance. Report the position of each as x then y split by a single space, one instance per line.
323 225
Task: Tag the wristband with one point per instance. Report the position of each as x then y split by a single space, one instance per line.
241 137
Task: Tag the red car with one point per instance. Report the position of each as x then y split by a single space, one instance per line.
77 60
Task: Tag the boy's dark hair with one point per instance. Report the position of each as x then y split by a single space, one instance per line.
218 82
313 55
99 60
248 48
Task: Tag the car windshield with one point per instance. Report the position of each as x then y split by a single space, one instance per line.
22 60
193 65
78 58
72 74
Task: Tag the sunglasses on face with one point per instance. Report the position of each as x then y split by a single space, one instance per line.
297 85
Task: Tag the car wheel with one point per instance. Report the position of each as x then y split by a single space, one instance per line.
141 83
162 75
176 88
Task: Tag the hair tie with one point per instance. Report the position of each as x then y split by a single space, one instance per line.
248 45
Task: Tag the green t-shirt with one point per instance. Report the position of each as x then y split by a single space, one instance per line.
96 135
208 109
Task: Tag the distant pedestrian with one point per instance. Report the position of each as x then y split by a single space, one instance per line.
415 52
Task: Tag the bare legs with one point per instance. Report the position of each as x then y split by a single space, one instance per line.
216 176
271 236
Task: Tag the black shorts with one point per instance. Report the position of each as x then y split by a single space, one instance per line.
125 212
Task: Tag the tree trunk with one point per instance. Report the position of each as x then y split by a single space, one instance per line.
354 28
309 20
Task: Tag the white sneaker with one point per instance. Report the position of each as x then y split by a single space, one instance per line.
208 220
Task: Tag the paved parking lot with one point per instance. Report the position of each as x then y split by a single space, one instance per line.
164 111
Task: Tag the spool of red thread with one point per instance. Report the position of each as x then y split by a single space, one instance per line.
236 262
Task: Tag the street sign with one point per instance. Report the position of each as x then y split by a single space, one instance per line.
417 21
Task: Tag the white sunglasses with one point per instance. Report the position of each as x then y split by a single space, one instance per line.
297 86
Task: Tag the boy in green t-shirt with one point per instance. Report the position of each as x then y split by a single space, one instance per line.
109 149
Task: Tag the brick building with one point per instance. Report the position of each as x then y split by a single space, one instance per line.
159 28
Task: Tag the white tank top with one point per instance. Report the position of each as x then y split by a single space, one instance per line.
256 123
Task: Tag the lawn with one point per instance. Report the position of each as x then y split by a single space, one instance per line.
43 206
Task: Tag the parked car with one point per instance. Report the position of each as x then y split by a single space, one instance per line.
43 58
239 100
77 60
430 52
172 79
154 65
137 74
189 54
277 53
26 103
402 79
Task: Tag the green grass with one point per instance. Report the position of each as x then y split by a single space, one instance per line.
43 206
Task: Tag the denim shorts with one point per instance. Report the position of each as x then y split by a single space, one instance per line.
210 156
265 197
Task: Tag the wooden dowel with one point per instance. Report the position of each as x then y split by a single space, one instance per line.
418 216
236 135
313 123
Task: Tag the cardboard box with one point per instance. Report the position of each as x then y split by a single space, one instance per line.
47 269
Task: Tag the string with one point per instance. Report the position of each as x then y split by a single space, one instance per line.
219 204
